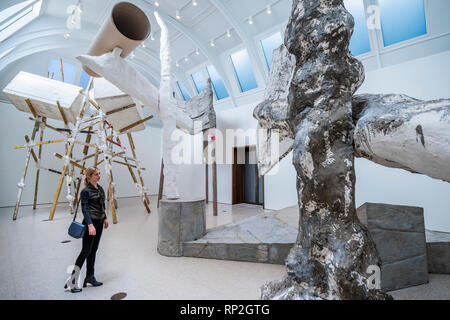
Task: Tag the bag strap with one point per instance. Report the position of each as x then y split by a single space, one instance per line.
76 210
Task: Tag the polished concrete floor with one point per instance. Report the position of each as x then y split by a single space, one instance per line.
34 260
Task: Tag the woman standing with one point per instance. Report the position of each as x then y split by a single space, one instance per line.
92 201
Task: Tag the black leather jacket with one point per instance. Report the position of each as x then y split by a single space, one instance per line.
93 203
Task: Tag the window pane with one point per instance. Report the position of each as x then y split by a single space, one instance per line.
244 71
269 44
402 20
84 80
217 83
359 43
19 20
68 70
183 91
199 81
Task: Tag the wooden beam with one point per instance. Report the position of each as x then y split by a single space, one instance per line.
62 69
24 172
40 143
127 164
38 171
63 115
71 162
121 109
30 106
135 124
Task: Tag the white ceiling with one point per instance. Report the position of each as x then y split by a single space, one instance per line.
210 19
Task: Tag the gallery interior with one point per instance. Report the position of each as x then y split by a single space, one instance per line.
248 149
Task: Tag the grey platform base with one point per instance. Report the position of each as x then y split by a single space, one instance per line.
179 221
438 252
399 234
265 238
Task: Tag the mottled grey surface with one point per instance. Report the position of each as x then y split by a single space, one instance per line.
179 221
438 252
200 109
333 249
398 131
273 111
399 235
265 238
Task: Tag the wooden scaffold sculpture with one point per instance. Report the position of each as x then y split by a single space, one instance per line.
46 98
107 140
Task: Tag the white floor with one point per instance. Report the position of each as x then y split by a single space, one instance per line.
34 261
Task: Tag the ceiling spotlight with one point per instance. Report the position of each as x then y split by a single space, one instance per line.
269 9
66 35
157 3
131 55
152 37
177 64
212 43
177 15
143 45
186 59
194 3
228 33
250 20
197 52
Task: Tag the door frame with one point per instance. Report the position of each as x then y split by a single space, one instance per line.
237 186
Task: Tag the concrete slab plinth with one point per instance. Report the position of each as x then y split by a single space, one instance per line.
179 221
399 235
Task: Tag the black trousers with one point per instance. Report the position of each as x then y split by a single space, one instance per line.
90 246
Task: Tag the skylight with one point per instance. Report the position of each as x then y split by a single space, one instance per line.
217 83
199 81
68 71
269 44
84 79
14 18
359 43
243 69
183 91
402 20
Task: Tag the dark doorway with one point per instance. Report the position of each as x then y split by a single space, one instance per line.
247 186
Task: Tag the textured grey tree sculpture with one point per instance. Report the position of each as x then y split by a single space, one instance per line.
309 101
333 250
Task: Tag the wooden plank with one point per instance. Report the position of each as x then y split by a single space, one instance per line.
63 172
63 115
24 172
38 171
126 164
132 145
135 124
121 109
62 69
71 162
40 143
30 106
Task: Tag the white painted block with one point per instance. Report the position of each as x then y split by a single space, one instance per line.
43 94
110 98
